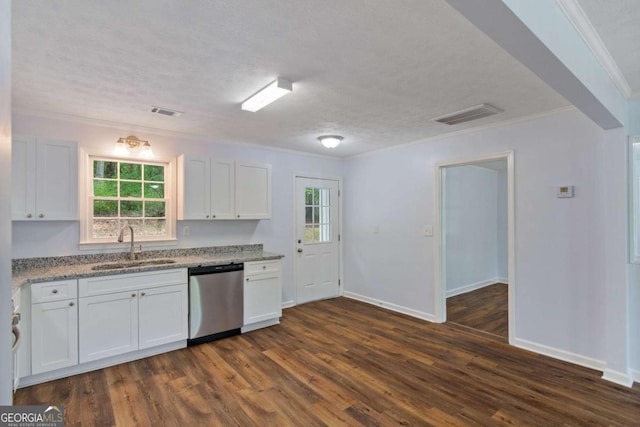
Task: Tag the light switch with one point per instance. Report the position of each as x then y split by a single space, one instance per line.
428 230
376 228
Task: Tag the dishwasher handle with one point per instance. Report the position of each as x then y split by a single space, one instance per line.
213 269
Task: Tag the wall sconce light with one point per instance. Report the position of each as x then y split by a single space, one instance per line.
133 145
330 141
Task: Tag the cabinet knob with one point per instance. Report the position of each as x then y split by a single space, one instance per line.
247 279
238 215
55 291
207 216
29 216
133 295
71 304
41 216
142 294
214 216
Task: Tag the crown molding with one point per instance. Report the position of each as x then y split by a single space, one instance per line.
585 29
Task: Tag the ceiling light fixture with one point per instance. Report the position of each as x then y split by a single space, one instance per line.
265 96
330 141
132 144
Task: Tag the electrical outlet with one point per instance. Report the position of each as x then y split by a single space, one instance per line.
376 228
186 231
428 230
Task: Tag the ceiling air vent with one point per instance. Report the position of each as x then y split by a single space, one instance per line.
165 111
468 114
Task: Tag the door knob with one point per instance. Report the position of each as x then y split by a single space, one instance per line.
299 250
41 216
29 215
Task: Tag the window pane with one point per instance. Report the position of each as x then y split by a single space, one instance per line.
154 209
316 196
104 169
323 197
308 196
130 209
130 171
325 217
155 227
137 225
102 208
130 189
308 217
105 228
154 191
316 215
324 233
308 234
153 173
105 188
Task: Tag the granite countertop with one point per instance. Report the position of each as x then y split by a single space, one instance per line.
33 270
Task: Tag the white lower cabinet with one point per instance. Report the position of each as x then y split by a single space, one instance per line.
54 335
162 315
108 325
262 293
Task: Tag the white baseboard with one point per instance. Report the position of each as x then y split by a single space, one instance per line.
617 377
288 304
473 286
635 375
556 353
260 325
502 280
389 306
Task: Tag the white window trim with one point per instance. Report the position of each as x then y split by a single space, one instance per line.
85 186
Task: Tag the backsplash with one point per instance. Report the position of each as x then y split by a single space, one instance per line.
21 264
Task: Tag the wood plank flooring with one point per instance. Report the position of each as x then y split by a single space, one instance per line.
485 309
343 363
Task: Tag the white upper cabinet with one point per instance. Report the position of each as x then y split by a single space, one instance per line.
253 191
222 189
45 179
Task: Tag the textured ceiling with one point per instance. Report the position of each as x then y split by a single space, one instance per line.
618 24
374 72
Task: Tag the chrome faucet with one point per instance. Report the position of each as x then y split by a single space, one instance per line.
132 255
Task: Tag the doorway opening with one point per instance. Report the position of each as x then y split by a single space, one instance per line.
475 280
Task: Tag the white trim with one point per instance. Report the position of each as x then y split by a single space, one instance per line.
390 306
589 34
260 325
477 129
556 353
440 301
288 304
617 377
99 364
294 236
472 287
157 131
147 245
634 215
502 280
635 374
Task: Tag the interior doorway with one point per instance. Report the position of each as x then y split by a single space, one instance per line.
475 281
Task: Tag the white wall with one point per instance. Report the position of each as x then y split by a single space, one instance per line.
61 238
6 357
503 229
471 228
559 288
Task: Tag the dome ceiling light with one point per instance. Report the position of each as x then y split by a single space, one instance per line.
330 141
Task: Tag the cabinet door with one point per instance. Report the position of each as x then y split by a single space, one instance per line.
108 325
194 188
262 298
163 315
253 191
54 335
222 189
23 175
57 180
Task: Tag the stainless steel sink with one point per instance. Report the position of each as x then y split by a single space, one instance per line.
131 264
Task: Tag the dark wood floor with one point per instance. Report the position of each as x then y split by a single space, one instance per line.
342 362
485 309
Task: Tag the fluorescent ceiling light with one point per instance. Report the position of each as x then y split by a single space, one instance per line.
268 94
330 141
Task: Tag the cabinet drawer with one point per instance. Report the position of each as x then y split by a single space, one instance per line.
54 291
133 281
260 267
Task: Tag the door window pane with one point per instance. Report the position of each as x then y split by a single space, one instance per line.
317 215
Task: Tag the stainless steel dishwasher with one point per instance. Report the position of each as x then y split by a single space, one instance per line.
215 302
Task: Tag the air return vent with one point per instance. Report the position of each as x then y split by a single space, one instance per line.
468 114
165 112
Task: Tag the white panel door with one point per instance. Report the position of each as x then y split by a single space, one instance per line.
318 247
54 335
223 189
195 188
253 191
23 174
108 325
57 180
163 315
